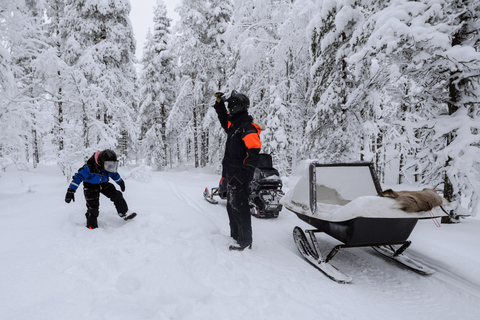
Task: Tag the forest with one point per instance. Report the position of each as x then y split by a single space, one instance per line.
393 82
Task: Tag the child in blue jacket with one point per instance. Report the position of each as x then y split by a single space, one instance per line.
95 175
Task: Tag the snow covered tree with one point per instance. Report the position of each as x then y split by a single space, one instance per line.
12 22
287 67
99 45
201 53
342 123
454 139
53 68
425 57
21 122
252 36
156 93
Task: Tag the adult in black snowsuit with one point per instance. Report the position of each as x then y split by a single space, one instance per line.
240 160
95 175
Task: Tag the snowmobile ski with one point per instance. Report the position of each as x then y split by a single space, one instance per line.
313 256
404 260
130 216
208 196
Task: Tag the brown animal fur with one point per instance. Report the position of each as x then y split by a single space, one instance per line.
414 201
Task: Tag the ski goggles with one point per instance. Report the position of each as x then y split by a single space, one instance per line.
110 166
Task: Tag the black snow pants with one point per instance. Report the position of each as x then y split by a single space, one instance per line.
239 215
92 197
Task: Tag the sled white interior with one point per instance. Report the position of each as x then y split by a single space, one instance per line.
339 192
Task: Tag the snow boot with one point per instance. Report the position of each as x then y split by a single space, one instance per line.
126 217
92 223
239 247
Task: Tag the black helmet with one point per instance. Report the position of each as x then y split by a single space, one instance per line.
107 159
237 102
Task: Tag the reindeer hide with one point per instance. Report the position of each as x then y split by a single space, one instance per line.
414 201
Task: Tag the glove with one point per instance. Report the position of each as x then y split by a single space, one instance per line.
122 185
70 195
219 96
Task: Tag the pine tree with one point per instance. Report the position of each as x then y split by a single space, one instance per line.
53 78
425 62
157 93
338 129
455 139
22 124
199 48
99 46
288 93
12 22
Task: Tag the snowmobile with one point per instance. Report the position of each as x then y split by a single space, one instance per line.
220 191
265 190
346 202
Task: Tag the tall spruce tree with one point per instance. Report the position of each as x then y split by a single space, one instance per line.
456 132
12 23
289 74
198 47
99 46
156 93
337 129
421 60
21 91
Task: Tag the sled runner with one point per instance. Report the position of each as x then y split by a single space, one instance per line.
265 190
342 201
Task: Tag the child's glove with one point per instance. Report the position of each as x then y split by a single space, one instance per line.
70 195
122 185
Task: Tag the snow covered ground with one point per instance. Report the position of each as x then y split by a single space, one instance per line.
172 261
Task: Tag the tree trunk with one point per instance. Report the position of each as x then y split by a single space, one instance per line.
163 117
195 137
447 184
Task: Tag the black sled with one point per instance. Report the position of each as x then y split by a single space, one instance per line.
265 190
342 200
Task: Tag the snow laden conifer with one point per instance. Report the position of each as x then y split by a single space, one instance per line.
451 156
421 60
99 47
219 20
253 35
341 124
156 90
279 70
289 91
23 121
200 50
53 71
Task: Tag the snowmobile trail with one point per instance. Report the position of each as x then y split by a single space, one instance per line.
365 266
198 206
393 288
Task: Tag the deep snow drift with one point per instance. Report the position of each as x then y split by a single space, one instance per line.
172 261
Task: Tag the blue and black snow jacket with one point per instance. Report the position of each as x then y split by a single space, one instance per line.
94 174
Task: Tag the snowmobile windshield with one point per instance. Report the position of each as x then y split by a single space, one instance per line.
111 166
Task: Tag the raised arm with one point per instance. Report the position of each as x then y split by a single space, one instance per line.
221 110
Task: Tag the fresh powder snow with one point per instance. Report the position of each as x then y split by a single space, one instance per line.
172 261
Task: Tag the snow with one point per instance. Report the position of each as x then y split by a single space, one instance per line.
172 261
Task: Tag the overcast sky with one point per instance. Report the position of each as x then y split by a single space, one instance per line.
141 17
